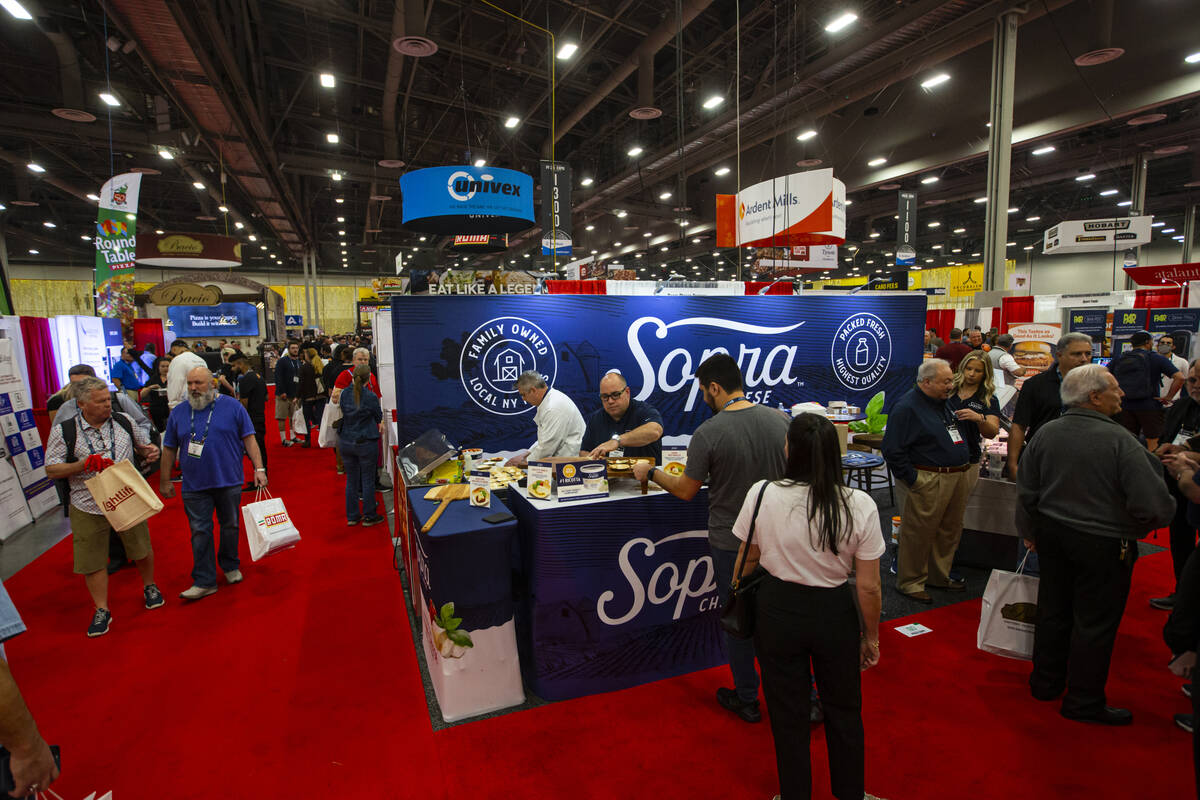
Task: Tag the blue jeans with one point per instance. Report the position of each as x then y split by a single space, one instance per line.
361 460
740 651
199 507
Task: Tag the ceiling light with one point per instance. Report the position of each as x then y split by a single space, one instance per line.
1027 247
664 249
49 224
960 230
719 171
587 182
956 250
1125 203
481 162
980 199
223 209
33 252
875 234
86 238
665 196
1167 230
33 166
1157 224
512 122
696 240
647 235
567 50
841 21
238 225
622 214
590 228
197 184
930 179
935 224
337 176
1194 58
714 101
95 198
635 151
339 200
327 80
110 99
332 138
1009 244
849 202
804 136
1034 218
935 247
252 238
616 244
936 80
166 155
1089 176
877 162
341 233
1013 210
1041 151
422 239
262 247
1109 192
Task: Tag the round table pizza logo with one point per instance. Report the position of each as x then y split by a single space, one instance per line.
496 353
861 352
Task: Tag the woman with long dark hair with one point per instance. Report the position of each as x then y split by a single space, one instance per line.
154 394
358 441
811 531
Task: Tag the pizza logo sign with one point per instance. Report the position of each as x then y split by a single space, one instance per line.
119 194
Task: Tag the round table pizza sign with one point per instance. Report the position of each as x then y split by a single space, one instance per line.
466 200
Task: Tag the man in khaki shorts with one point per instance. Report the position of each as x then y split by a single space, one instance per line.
101 438
287 391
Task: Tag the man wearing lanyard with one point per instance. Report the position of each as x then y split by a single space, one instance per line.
927 454
106 444
287 391
741 444
212 430
1039 400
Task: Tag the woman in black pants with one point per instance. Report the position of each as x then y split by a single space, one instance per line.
810 531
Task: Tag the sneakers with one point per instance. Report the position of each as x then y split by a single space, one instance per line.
233 576
341 470
100 623
197 592
747 710
1186 689
1163 603
374 519
1185 721
286 443
154 598
352 522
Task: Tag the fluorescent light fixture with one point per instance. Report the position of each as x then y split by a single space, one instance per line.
262 247
976 255
336 176
481 162
590 228
665 196
198 184
339 200
956 250
849 202
422 239
1125 203
960 230
935 224
1157 224
49 224
841 21
622 214
1194 58
1034 218
936 80
935 247
1009 244
341 233
35 167
95 198
587 182
238 225
252 238
567 50
327 80
1041 151
980 199
86 238
1109 192
696 240
110 99
721 171
18 11
33 252
714 101
930 179
804 136
223 209
1013 210
1167 230
166 155
877 162
512 122
875 234
1027 247
332 138
635 151
1088 177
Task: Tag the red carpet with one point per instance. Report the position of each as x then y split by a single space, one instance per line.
302 682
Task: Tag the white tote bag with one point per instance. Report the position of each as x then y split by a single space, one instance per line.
299 424
268 526
328 435
1009 610
123 495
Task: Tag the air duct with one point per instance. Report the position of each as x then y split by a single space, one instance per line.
645 108
408 39
1103 52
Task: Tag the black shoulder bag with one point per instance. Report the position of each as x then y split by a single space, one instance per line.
737 618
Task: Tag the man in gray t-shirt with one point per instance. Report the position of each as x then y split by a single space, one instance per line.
741 444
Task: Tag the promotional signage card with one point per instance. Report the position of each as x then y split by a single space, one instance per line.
1092 321
223 319
575 479
457 358
22 442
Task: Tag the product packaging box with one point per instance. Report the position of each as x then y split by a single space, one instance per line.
570 478
481 494
674 460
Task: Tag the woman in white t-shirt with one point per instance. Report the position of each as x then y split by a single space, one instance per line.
811 531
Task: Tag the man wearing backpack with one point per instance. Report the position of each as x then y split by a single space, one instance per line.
1138 372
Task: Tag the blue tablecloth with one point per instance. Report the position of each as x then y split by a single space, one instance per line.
614 593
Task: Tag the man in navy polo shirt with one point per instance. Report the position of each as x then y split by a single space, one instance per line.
212 431
632 426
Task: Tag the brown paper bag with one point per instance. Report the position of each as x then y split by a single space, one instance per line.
123 495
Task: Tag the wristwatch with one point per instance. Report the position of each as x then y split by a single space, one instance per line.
616 437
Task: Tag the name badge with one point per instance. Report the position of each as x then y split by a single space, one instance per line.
195 449
1182 437
955 436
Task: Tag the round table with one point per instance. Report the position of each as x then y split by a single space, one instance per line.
859 468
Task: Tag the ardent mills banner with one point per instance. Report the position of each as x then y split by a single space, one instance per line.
461 356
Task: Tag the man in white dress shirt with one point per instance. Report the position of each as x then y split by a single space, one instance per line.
559 423
183 361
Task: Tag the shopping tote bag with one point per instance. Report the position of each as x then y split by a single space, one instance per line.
268 526
123 495
1009 611
328 435
299 424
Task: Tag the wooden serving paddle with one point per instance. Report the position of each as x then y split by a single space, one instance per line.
445 493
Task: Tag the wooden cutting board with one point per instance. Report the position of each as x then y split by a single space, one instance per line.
445 493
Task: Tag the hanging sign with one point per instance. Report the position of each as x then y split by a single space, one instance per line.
462 200
906 230
189 250
480 243
556 208
966 280
184 294
116 243
895 281
1164 274
802 208
1097 235
293 321
796 260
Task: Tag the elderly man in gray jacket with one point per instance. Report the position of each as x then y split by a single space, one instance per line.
1088 491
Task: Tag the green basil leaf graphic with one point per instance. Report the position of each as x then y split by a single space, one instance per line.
460 638
453 623
447 611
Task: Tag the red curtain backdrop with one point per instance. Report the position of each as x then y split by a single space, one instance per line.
39 357
1166 297
149 331
996 317
577 287
754 287
1015 310
941 320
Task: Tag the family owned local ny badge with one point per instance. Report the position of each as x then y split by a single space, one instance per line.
496 353
861 351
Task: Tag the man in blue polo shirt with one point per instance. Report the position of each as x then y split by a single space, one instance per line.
1139 372
928 455
212 430
125 373
625 424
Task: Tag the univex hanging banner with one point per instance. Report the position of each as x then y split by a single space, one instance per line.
802 208
1097 235
906 230
465 200
116 245
556 208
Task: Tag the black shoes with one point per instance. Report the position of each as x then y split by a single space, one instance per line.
1105 716
153 597
1163 603
100 622
747 710
952 586
1186 721
371 520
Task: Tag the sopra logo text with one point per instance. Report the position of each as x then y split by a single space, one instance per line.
463 186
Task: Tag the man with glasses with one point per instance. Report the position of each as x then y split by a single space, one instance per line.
559 423
622 423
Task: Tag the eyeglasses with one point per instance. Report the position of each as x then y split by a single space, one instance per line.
613 395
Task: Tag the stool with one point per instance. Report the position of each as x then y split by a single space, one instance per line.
859 468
